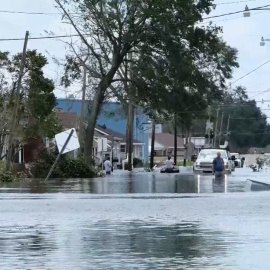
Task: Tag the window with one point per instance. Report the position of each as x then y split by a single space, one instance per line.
123 148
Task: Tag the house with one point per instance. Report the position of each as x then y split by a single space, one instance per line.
33 146
164 146
198 142
116 141
113 116
116 146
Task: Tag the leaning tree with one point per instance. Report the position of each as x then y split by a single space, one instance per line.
114 33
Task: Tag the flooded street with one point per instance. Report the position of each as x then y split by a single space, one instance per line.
138 221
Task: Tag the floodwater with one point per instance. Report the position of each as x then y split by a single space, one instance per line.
135 221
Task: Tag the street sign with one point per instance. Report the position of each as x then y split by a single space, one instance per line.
102 144
72 144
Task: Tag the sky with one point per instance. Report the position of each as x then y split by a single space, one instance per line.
242 33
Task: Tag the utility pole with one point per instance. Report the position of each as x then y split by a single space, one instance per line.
130 135
16 104
228 124
153 144
216 128
130 121
220 132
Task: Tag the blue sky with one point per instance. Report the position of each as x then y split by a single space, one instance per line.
239 32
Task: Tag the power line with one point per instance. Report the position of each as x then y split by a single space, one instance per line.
229 3
207 18
235 18
251 72
30 13
76 35
37 38
236 12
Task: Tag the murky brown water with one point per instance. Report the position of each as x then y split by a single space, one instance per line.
134 222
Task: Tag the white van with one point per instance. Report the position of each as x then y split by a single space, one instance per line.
204 162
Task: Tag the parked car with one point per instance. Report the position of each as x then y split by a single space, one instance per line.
237 161
205 159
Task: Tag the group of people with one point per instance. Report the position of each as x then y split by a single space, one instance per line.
218 165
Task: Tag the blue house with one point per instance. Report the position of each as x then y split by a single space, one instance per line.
113 117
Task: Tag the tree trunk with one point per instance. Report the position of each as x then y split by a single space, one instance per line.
186 149
92 119
95 109
175 140
153 144
81 131
130 136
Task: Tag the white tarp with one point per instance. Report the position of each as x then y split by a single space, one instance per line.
73 143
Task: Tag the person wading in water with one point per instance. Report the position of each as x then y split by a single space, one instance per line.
218 166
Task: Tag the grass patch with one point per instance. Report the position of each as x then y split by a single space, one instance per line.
188 163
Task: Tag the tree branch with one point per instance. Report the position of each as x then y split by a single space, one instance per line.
82 37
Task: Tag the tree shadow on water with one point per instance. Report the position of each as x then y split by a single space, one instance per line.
185 242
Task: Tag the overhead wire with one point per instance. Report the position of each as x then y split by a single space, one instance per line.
77 35
235 2
251 72
40 38
235 12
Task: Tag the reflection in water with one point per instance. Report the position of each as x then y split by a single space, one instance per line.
130 183
198 183
220 184
20 244
151 244
109 245
84 231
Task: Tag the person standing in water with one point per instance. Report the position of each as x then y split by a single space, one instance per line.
218 166
108 166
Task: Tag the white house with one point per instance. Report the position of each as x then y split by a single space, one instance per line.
116 142
199 143
116 145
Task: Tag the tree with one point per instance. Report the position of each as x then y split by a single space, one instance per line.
36 117
248 125
110 29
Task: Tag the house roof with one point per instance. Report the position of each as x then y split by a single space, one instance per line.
103 131
167 140
67 119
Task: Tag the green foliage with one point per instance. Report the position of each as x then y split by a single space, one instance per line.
66 167
248 125
6 176
137 163
37 100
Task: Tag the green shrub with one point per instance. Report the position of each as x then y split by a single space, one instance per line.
137 163
65 168
6 176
